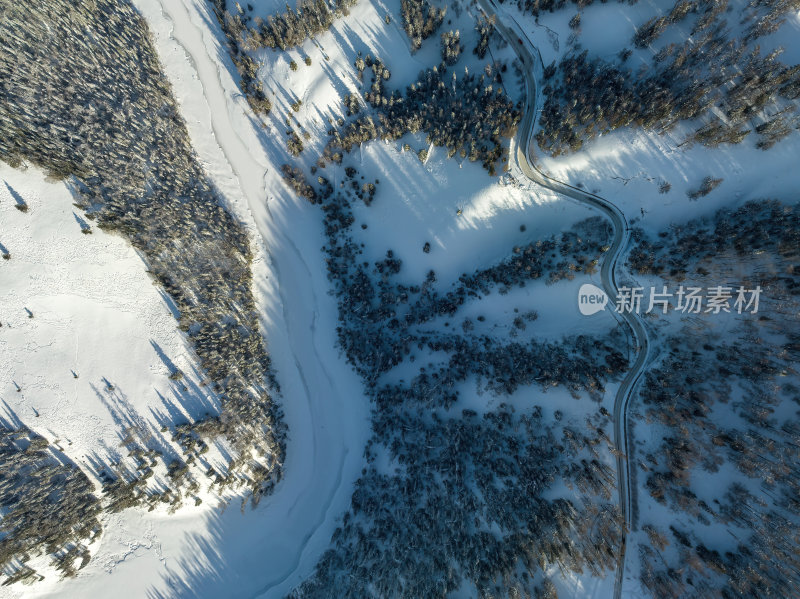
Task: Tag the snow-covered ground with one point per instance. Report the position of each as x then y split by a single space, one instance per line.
116 319
87 345
80 314
212 553
626 166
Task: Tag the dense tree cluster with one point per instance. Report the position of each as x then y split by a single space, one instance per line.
246 33
706 187
485 28
770 228
649 32
579 364
421 528
717 400
466 115
48 506
537 7
765 16
586 97
451 47
772 131
465 503
84 98
295 178
284 30
577 250
293 142
160 474
293 27
420 20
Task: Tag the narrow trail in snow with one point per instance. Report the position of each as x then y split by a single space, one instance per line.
524 48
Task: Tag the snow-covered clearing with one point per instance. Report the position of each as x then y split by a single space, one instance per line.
80 314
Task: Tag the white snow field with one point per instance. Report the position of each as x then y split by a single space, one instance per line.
215 554
87 345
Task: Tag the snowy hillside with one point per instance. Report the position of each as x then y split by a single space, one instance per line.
347 357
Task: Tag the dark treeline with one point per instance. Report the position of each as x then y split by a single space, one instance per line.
586 97
770 227
84 99
293 27
573 252
537 7
764 17
420 20
652 29
466 115
727 399
431 525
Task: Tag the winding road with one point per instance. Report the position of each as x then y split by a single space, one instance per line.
529 55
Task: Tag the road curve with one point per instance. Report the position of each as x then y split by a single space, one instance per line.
528 54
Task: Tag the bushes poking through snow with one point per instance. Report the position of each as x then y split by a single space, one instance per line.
706 187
